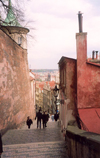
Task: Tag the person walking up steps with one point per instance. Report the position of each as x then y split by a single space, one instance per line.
44 120
29 122
39 117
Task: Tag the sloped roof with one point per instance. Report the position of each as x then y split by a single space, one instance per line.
50 83
64 58
31 78
41 86
91 63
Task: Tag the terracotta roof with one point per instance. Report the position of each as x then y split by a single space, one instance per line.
41 86
95 64
33 73
51 83
31 78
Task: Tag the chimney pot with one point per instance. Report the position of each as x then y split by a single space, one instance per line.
80 18
96 54
93 54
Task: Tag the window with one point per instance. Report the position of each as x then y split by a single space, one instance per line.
19 41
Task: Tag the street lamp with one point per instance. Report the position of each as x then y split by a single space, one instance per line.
56 91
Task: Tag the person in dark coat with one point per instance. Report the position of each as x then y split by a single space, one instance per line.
39 117
47 117
56 116
1 148
29 122
44 120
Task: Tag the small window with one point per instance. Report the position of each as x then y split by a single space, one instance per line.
19 41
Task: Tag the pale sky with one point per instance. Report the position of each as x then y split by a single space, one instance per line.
56 25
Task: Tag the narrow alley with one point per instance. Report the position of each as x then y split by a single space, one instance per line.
35 143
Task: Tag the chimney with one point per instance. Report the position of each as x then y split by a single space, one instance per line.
80 18
96 54
93 52
81 43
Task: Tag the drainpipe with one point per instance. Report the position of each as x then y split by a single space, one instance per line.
80 18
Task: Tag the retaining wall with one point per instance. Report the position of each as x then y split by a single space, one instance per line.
82 144
16 101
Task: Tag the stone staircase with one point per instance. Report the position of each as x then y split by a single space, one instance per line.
35 143
36 150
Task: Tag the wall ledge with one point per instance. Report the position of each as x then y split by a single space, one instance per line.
92 140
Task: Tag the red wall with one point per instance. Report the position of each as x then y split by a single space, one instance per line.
15 91
88 84
88 77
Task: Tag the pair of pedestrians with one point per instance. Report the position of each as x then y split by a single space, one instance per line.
43 117
40 117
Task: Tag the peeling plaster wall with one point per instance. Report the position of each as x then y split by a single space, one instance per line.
88 77
71 83
15 91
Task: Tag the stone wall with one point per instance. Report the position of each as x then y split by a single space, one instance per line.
15 91
82 144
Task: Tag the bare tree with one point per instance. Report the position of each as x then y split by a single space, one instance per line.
18 12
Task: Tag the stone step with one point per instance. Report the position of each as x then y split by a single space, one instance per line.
31 136
36 150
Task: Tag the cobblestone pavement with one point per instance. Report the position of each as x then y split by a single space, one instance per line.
35 143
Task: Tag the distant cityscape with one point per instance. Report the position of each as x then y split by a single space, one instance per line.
46 74
44 70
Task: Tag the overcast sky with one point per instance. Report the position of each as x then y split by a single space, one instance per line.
56 24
